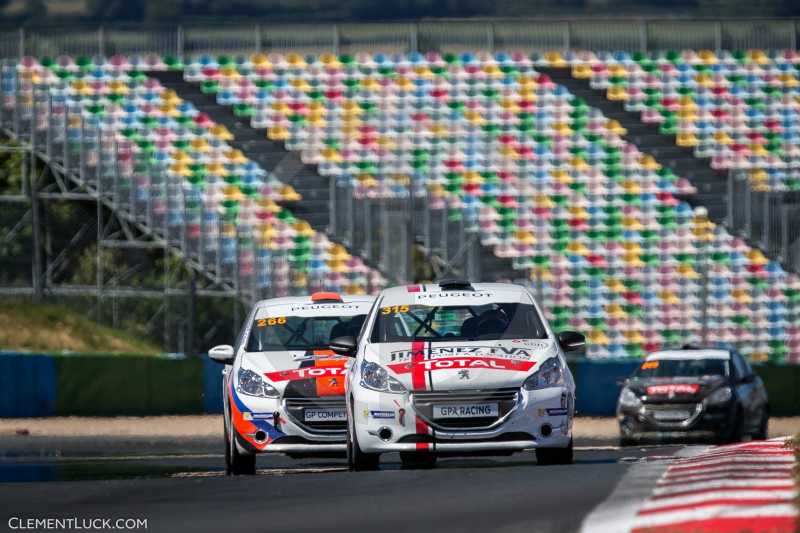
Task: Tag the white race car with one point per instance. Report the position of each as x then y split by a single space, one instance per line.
283 388
458 369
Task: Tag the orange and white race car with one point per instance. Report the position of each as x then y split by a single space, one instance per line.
283 388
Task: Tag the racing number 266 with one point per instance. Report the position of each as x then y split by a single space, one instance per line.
263 322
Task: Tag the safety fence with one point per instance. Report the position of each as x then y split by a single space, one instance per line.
769 219
38 385
447 35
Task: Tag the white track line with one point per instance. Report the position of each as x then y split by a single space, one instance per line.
699 483
720 494
617 513
721 484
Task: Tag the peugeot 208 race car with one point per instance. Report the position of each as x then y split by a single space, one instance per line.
283 388
693 393
458 369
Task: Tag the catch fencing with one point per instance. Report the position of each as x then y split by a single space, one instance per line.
446 35
769 219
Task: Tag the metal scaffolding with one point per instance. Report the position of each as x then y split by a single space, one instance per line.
57 170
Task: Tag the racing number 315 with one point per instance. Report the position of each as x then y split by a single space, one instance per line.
394 309
262 322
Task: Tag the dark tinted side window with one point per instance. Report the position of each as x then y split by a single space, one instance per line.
739 367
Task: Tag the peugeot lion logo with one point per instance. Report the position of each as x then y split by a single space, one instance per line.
463 374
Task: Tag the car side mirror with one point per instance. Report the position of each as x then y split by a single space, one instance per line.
571 341
223 354
344 346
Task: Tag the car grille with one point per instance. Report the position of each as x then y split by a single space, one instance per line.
656 412
424 401
295 409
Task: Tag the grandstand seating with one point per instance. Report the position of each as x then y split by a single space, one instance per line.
548 182
740 109
174 163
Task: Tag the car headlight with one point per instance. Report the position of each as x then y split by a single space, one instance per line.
550 374
628 398
377 378
252 384
721 396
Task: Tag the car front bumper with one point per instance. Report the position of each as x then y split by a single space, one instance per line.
386 422
259 430
703 423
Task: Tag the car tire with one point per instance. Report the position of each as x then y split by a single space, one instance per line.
555 456
763 427
358 461
418 460
237 463
736 432
228 467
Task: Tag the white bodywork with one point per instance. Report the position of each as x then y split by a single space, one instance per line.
689 354
459 369
260 424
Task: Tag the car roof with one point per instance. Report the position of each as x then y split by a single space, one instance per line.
436 287
346 298
690 354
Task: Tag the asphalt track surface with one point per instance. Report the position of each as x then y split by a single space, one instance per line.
189 492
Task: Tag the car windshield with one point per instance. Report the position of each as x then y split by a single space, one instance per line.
407 323
671 368
300 332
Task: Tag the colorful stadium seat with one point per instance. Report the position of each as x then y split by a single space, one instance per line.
173 166
545 180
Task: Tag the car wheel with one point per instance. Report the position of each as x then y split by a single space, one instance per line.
357 460
555 456
237 463
418 460
736 431
228 467
763 427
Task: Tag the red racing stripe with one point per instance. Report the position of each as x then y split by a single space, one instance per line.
755 524
422 429
417 369
455 363
730 502
418 383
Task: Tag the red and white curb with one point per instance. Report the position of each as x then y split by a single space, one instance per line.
742 487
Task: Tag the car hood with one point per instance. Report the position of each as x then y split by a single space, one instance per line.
301 373
676 388
462 365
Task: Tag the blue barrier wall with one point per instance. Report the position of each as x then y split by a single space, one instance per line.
27 385
33 385
212 386
597 388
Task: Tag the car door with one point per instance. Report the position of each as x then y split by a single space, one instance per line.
745 385
758 394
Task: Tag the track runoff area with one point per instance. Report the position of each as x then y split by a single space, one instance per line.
656 488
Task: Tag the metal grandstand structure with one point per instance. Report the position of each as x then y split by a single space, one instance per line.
55 171
444 35
58 168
